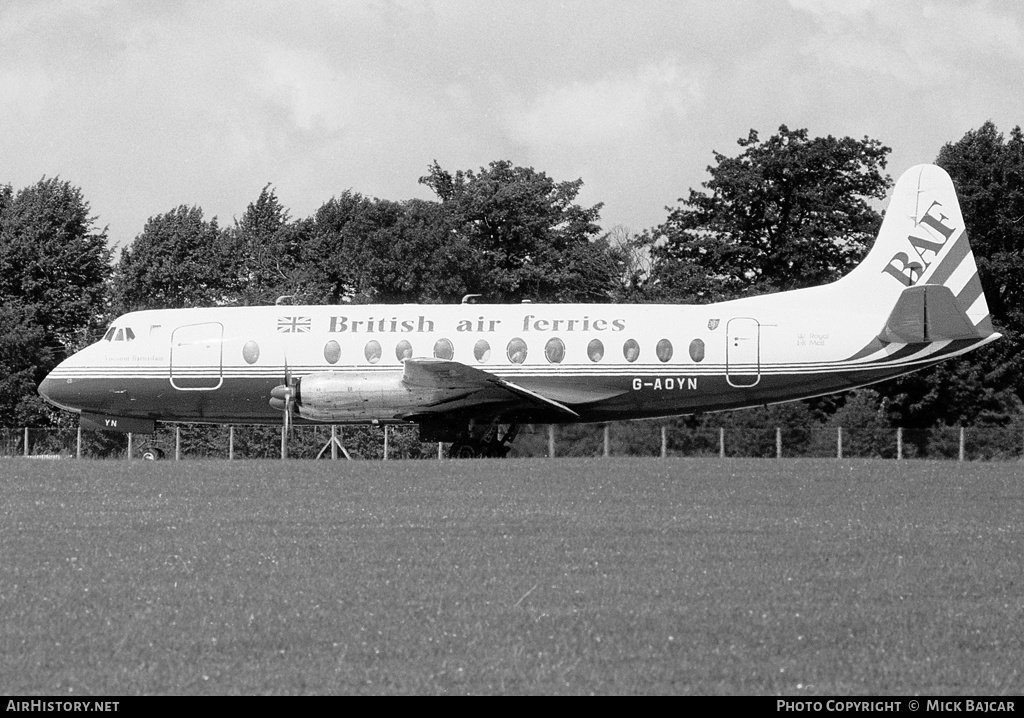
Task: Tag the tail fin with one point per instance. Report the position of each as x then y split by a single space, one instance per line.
921 266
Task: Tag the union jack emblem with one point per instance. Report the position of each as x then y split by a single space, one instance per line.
712 324
293 325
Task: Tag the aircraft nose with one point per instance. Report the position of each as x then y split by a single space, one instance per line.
61 392
48 389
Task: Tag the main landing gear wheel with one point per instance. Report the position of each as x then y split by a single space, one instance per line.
464 450
492 444
152 454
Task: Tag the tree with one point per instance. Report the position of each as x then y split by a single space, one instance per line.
337 229
265 247
867 430
632 254
26 355
54 263
53 259
416 258
361 249
527 238
786 213
179 260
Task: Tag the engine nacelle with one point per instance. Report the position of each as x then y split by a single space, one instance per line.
333 396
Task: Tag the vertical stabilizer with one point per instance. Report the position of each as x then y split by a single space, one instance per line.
923 243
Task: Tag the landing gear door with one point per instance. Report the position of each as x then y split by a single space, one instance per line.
743 352
196 357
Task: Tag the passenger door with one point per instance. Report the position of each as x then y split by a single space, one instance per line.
197 357
743 352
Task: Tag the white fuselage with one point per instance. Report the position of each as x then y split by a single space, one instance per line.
914 300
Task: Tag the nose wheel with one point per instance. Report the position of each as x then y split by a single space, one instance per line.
151 453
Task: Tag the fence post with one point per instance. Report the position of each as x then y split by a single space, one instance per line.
607 442
231 443
839 442
284 443
664 441
130 449
177 443
334 442
551 441
386 434
721 442
78 444
899 442
961 454
26 440
440 450
778 442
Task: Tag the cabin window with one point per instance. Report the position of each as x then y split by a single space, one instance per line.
517 351
251 352
482 351
403 350
443 349
631 350
332 352
554 350
664 350
697 350
372 351
595 350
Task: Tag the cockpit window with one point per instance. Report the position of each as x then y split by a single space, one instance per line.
119 334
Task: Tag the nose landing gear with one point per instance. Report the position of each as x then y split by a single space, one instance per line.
152 453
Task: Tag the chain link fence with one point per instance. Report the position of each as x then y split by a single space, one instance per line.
634 438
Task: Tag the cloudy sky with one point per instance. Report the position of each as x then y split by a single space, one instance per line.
147 106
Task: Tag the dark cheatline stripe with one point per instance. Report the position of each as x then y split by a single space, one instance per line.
875 345
911 349
899 354
951 348
908 350
960 249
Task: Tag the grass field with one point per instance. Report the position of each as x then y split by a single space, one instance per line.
795 577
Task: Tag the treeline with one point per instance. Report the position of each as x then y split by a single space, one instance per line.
785 212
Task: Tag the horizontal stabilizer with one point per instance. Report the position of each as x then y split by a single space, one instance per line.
452 376
927 313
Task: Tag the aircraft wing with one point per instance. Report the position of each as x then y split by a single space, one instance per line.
458 385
